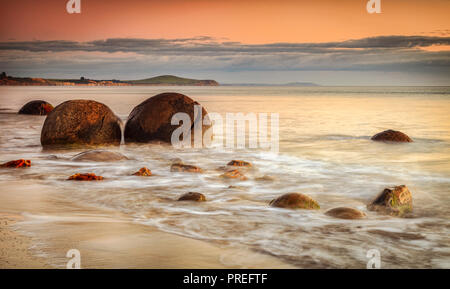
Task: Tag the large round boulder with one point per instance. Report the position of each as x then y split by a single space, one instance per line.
151 120
295 201
81 122
394 201
36 107
391 135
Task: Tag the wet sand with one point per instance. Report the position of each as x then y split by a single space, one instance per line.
37 229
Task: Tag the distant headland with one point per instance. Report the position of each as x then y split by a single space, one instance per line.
163 80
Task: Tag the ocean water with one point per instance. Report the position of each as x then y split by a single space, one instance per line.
324 151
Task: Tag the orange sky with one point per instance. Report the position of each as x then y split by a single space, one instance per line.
253 21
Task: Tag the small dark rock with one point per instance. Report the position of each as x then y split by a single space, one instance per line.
36 107
391 136
238 163
143 172
345 213
185 168
191 196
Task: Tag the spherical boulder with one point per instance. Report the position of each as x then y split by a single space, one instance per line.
295 201
394 201
151 120
99 156
391 136
81 123
191 196
345 213
36 107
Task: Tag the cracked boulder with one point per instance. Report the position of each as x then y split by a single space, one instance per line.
394 201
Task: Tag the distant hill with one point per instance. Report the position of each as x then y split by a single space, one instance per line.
169 80
173 80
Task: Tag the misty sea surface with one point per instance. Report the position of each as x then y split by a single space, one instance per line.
325 152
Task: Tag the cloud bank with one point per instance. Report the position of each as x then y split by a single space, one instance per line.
129 58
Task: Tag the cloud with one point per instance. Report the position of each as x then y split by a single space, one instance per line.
205 44
131 57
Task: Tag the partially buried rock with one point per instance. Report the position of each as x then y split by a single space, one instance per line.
17 164
185 168
36 107
85 177
295 201
234 174
391 136
265 178
81 122
151 120
395 201
143 172
191 196
176 161
99 156
345 213
238 163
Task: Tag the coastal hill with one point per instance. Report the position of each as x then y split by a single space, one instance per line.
163 80
173 80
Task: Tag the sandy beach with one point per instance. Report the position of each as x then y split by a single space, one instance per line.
37 230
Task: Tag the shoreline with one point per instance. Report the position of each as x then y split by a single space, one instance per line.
37 230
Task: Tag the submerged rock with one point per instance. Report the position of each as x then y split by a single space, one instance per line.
391 136
17 164
99 156
36 107
185 168
266 178
143 172
177 161
397 235
295 201
81 122
395 201
345 213
85 177
234 174
191 196
151 120
238 163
